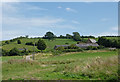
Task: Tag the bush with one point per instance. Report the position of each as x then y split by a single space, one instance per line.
100 47
56 52
73 46
92 48
14 52
29 43
72 50
5 53
66 43
18 41
61 48
7 42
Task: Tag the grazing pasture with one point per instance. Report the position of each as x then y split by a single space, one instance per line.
87 65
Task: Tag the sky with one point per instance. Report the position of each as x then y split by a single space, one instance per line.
61 18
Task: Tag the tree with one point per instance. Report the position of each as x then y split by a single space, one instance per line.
18 41
49 36
14 52
68 36
76 36
41 45
6 42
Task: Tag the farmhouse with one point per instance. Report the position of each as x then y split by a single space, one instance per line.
91 42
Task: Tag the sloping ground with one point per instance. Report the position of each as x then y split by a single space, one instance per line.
50 44
73 66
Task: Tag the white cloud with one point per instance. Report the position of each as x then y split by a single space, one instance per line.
114 28
10 0
104 19
108 34
70 10
31 22
75 22
59 7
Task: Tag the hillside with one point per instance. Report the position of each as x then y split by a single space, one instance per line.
50 44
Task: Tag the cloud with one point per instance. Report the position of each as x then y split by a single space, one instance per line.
114 28
59 7
108 34
75 22
104 19
31 22
70 10
10 1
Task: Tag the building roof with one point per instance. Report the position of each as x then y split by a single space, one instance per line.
85 45
92 40
56 46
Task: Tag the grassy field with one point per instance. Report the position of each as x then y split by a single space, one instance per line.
50 44
95 64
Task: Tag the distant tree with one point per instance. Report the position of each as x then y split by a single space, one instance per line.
49 36
41 45
18 41
29 43
61 36
76 36
68 36
14 52
7 42
26 36
5 53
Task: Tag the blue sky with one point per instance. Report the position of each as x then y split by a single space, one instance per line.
36 18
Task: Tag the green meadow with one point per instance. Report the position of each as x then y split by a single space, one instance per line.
50 44
87 65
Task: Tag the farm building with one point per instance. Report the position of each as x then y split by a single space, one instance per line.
91 42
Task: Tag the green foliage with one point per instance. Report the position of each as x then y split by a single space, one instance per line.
41 45
73 46
68 36
49 36
61 48
29 43
5 52
14 52
56 52
18 41
7 42
92 48
76 36
104 41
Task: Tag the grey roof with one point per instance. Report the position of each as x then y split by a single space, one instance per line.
85 45
93 40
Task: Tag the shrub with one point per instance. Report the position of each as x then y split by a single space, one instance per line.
100 47
61 48
73 46
89 48
72 50
56 52
7 42
66 43
14 52
18 41
92 48
29 43
5 53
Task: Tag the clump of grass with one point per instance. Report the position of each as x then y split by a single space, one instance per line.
95 68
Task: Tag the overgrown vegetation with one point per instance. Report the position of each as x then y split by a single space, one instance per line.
100 65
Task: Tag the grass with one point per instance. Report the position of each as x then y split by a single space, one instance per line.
50 44
88 65
7 58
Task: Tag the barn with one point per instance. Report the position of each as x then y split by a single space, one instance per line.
91 42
